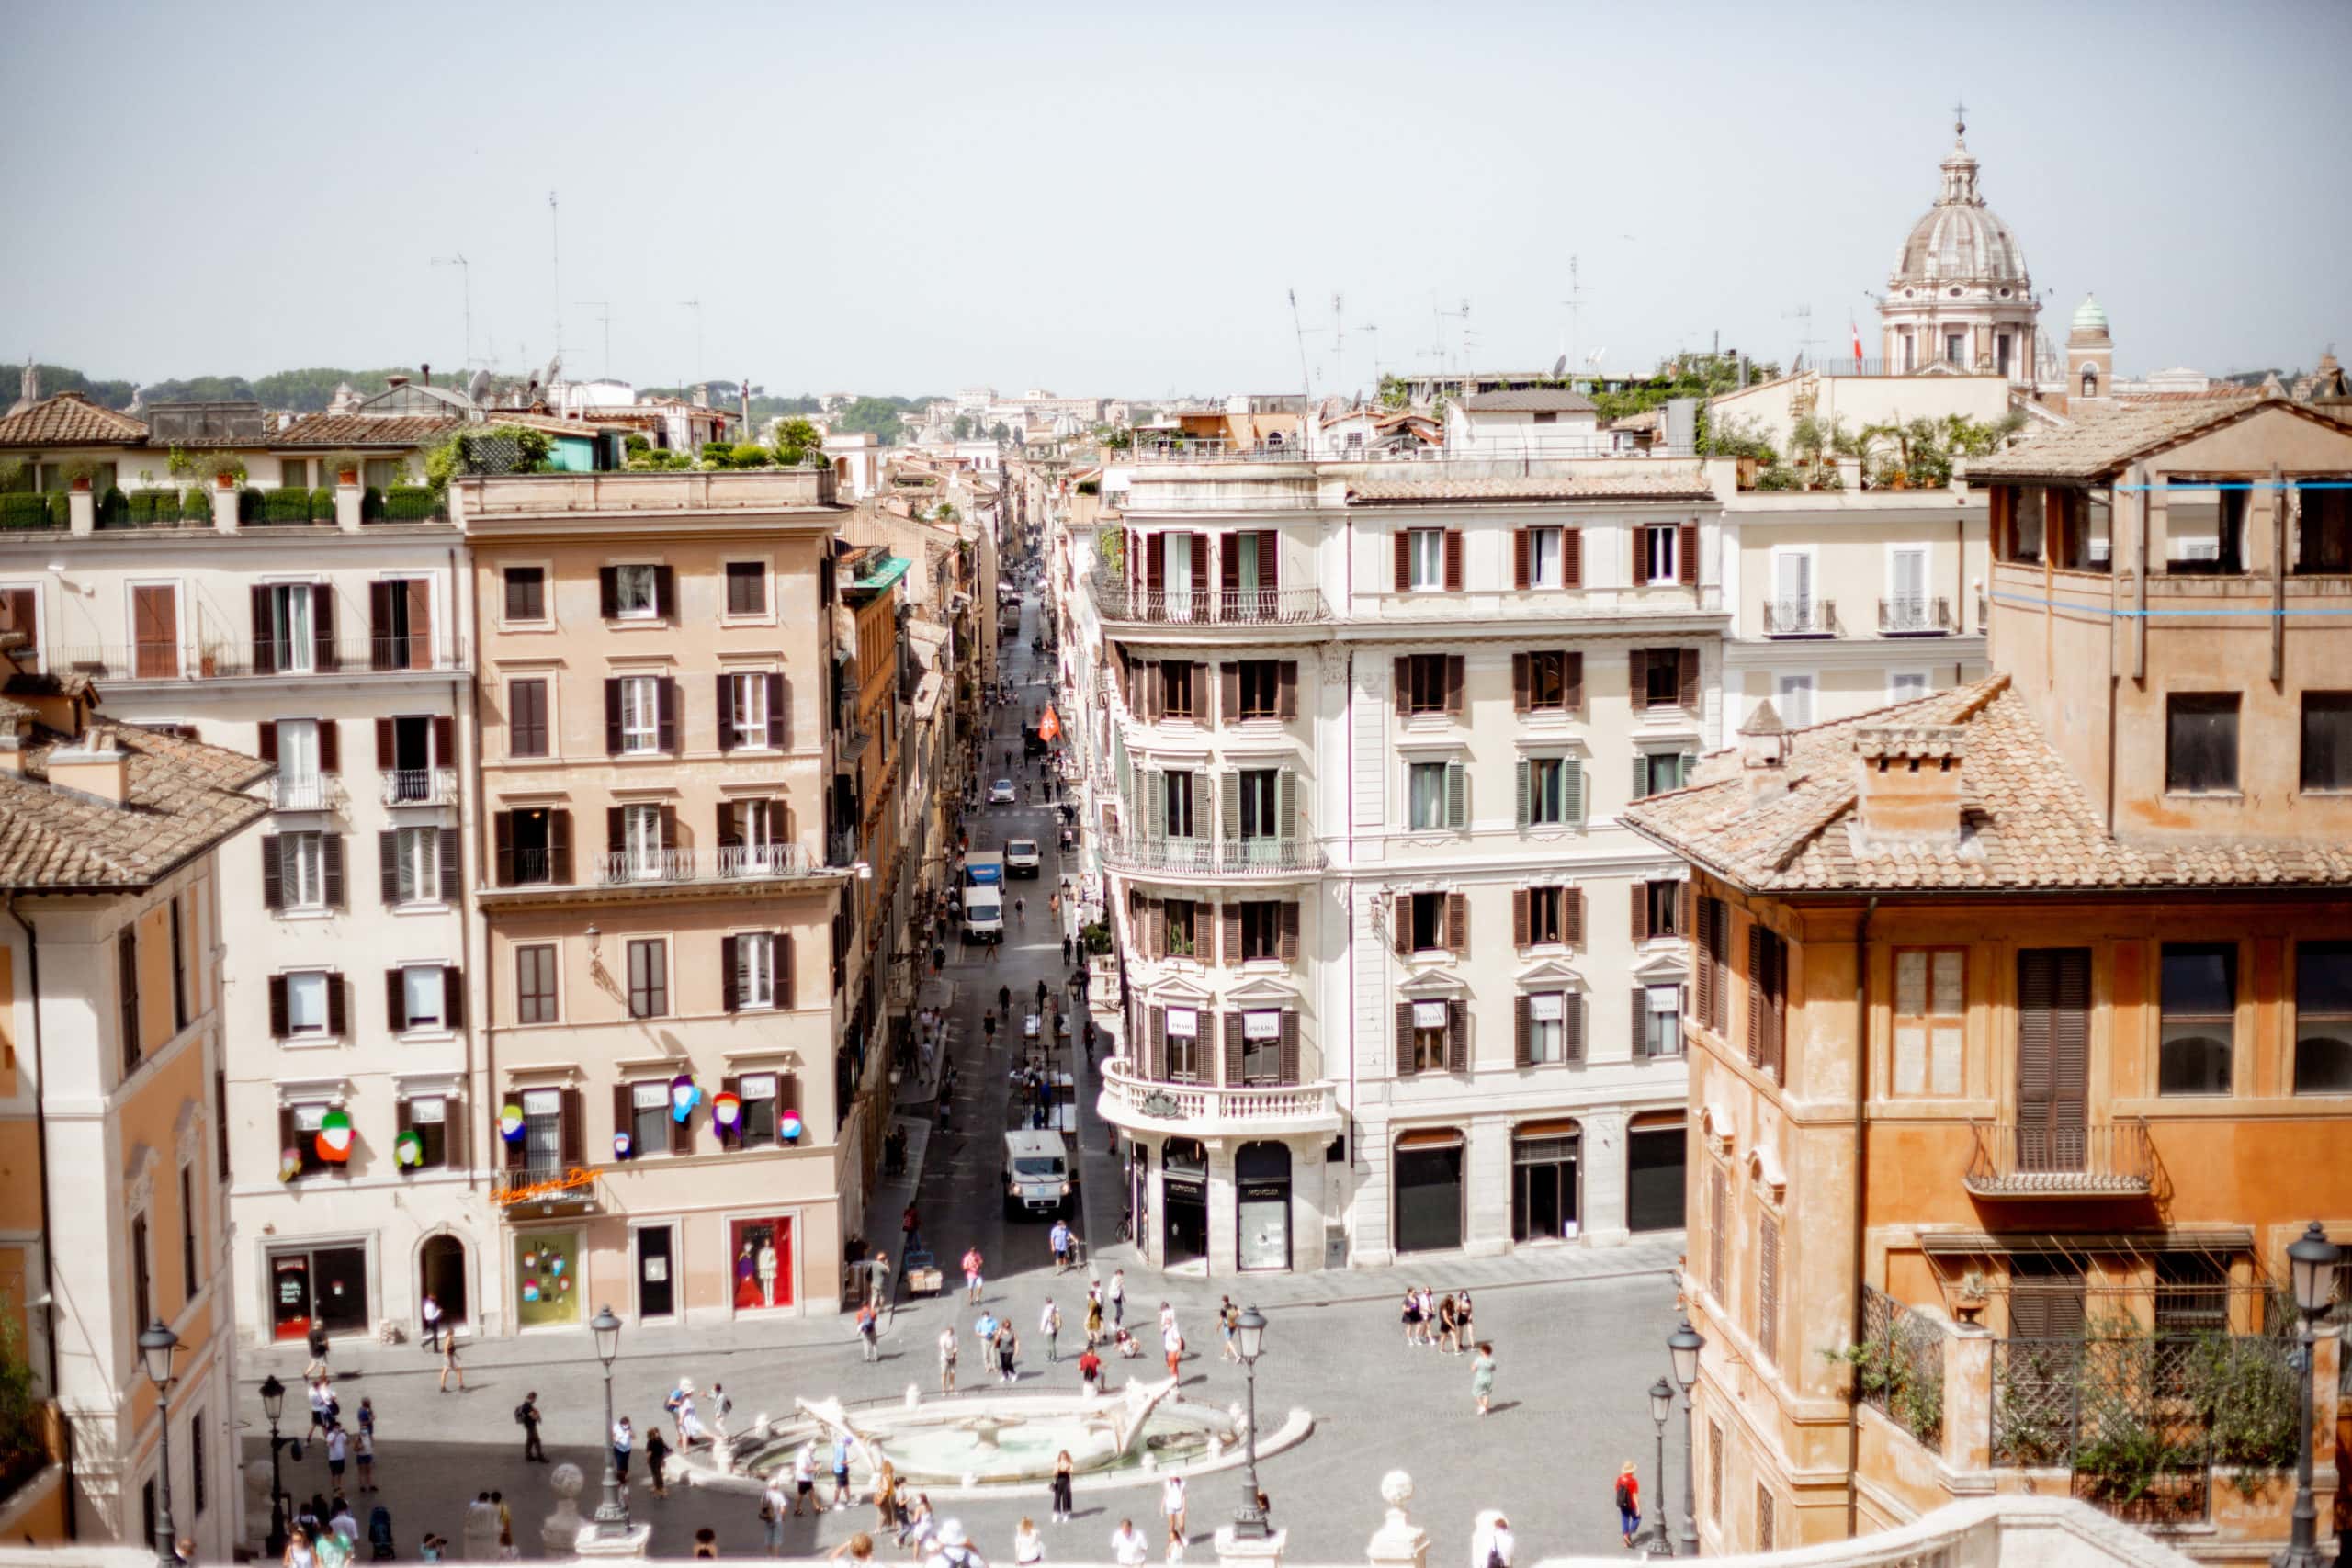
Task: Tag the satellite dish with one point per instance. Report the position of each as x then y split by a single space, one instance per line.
1558 367
554 368
479 388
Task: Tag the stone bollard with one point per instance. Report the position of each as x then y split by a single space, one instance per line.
562 1527
762 1429
722 1455
914 1396
1399 1542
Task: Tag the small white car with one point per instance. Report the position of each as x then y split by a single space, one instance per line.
1000 793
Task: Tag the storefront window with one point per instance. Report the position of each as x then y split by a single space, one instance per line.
1544 1184
762 1250
546 1267
1261 1192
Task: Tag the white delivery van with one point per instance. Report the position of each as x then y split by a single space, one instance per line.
1038 1176
1021 857
983 912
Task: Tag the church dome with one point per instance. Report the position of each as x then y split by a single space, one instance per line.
2090 316
1961 240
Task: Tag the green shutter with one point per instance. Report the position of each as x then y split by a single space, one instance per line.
1572 786
1156 804
1286 804
1526 792
1229 805
1458 795
1640 776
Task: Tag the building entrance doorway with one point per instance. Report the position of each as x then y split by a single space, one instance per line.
656 1284
1183 1201
1262 1204
1429 1191
441 1274
327 1285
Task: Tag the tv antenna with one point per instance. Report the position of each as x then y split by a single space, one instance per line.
1438 317
555 266
604 315
1575 303
1305 382
1373 328
465 276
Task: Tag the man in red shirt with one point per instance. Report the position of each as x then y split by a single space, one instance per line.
1090 1371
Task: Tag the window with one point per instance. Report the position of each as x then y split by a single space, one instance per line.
2201 742
1176 694
1552 793
2327 740
1261 1046
1795 693
532 845
1763 1497
747 588
747 710
1655 773
1665 677
190 1275
1768 1286
142 1285
412 865
1906 605
2204 527
1426 915
1659 1021
1258 692
1543 558
126 980
1768 979
198 1479
423 993
527 594
1954 351
1182 1035
1551 913
1660 559
428 1118
1179 927
1176 810
1660 913
1260 931
645 831
1930 1015
1903 685
640 703
1718 1233
534 984
1791 610
543 1130
1258 798
2323 1018
1431 681
309 1005
1547 1027
756 970
649 1120
2199 1004
1426 553
1715 1458
759 1093
636 594
308 870
1710 951
2327 530
1430 1029
526 718
283 639
649 979
1437 795
1548 681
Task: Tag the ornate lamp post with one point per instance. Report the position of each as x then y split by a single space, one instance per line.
1249 1336
612 1511
2312 1263
1661 1406
273 1402
1684 1345
156 1344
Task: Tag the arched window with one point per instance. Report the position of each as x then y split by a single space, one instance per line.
2090 381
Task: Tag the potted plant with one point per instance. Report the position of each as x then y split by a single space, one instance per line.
346 466
1969 1297
79 472
228 470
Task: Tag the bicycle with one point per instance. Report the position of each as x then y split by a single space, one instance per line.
1127 1224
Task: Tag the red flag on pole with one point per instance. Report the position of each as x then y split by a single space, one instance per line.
1858 341
1049 727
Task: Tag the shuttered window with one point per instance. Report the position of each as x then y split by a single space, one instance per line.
1718 1231
534 997
2201 742
1715 1470
2053 1058
1768 1287
1767 971
1763 1519
1931 1015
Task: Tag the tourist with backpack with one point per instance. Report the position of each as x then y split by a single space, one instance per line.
1628 1502
526 1415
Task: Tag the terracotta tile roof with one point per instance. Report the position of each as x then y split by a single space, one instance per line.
2101 443
1652 481
69 419
1529 400
2027 825
185 797
358 430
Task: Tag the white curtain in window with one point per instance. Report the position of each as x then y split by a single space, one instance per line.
421 989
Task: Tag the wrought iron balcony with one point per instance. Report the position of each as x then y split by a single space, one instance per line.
1800 617
1914 615
1237 858
1130 1100
419 786
314 792
735 863
1118 603
2113 1159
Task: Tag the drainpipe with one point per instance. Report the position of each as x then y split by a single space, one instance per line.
461 692
48 1231
1862 1199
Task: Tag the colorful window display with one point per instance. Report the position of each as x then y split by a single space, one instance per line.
761 1254
546 1284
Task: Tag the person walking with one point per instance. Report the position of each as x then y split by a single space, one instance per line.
721 1407
772 1507
869 1332
1171 1503
954 1551
1118 1298
1462 1319
657 1462
449 1364
1058 1240
804 1479
1629 1501
321 1397
1482 1377
624 1439
1127 1547
1171 1344
1446 1327
1049 1323
1090 1371
1228 1317
526 1415
428 1311
1491 1545
338 1452
1063 1469
363 1453
841 1472
1008 1345
1094 1318
972 1280
948 1345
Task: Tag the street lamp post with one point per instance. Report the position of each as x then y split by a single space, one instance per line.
1249 1332
1684 1345
1661 1406
612 1511
156 1344
2312 1263
273 1401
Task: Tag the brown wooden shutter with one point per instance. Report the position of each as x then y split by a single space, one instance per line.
779 713
1288 1065
452 880
1457 1037
682 1136
1703 961
1638 678
387 747
265 739
1756 961
1519 577
265 651
330 746
733 1085
1572 917
1572 557
1155 561
1572 1026
1403 923
323 654
1228 562
1228 692
1454 560
1457 923
1155 1065
729 836
1519 1057
612 718
616 828
1229 932
1686 558
731 994
420 623
725 702
1687 688
1684 903
1572 682
1404 1040
1456 681
625 1114
574 1122
1519 698
1641 906
1404 684
1718 1230
444 741
286 1136
453 997
1269 561
502 833
1287 923
1286 689
1520 897
1641 1011
559 847
608 591
395 1002
279 1014
330 859
665 593
1229 1032
388 867
668 829
665 693
1768 1287
1404 560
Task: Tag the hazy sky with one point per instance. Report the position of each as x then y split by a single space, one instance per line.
1106 198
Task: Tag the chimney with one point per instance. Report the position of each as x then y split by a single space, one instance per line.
425 374
94 765
1764 754
1908 783
395 380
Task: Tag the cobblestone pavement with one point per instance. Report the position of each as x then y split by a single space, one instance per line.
1579 1334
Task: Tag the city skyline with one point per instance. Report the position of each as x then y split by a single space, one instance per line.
1054 207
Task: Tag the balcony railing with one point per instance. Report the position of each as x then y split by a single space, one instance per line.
262 660
319 791
1128 1097
1800 617
1914 615
419 786
734 863
2112 1160
1114 601
1214 857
